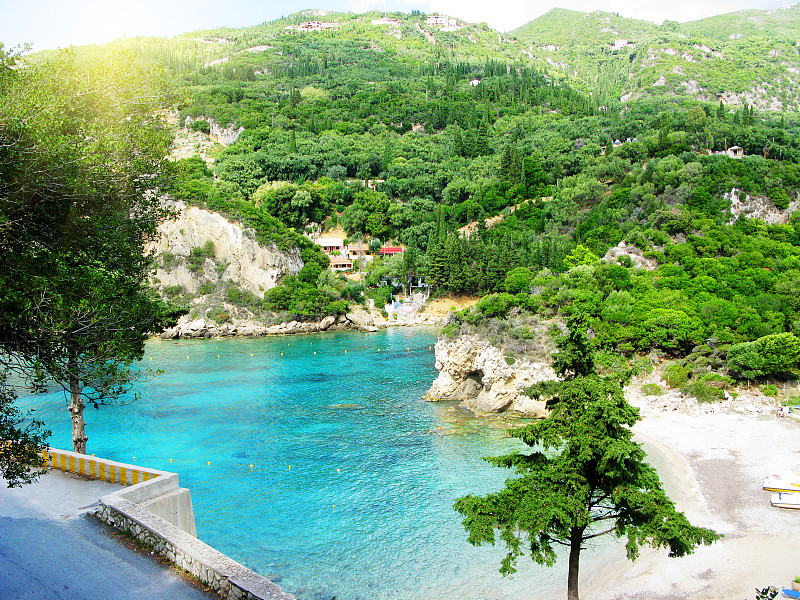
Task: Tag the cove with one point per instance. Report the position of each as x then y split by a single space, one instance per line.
314 461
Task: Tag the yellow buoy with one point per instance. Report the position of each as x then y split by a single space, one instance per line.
170 460
208 463
290 467
345 351
281 353
251 467
251 355
187 358
217 355
134 458
378 351
315 351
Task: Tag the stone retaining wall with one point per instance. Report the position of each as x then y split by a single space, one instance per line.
229 579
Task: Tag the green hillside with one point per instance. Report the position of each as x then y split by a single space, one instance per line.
777 24
551 147
745 56
572 29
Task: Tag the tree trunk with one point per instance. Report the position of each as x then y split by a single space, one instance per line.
76 410
575 538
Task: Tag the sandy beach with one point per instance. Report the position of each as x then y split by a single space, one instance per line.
713 466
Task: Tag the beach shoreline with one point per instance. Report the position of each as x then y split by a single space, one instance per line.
713 466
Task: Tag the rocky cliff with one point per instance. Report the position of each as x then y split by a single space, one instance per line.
237 256
759 207
484 379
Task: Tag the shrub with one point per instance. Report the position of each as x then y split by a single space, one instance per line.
774 353
769 390
197 257
168 261
652 389
709 388
240 297
202 125
518 280
450 330
676 376
510 360
221 317
496 305
173 291
207 287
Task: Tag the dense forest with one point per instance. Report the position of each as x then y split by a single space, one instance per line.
505 178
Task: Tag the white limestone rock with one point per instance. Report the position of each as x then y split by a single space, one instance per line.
249 265
476 373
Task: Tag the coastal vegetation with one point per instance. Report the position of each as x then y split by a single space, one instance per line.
582 476
81 161
501 171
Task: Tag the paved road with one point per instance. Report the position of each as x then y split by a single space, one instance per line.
50 549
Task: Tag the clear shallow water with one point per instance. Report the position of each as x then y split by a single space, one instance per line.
353 475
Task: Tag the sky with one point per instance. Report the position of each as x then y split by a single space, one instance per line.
49 24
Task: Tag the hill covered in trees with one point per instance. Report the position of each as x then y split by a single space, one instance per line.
508 163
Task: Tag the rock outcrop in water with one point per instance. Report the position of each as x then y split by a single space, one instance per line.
479 375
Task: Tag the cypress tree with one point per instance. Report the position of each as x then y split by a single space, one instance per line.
458 144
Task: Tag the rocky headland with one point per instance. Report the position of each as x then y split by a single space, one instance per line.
485 379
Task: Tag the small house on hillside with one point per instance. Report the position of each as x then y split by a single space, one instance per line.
440 21
391 250
340 263
330 245
620 44
735 152
358 250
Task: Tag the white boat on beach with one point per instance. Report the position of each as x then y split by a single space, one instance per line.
786 500
782 481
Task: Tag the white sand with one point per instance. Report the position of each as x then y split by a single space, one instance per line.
714 465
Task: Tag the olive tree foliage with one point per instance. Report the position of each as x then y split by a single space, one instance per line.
24 439
82 149
581 477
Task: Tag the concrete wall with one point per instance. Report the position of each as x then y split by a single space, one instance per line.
158 489
157 512
98 468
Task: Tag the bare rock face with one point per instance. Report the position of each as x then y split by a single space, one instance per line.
251 266
225 135
757 207
476 373
636 256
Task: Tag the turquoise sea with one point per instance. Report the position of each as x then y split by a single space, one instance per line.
314 461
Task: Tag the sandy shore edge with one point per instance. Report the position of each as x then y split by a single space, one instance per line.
713 466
